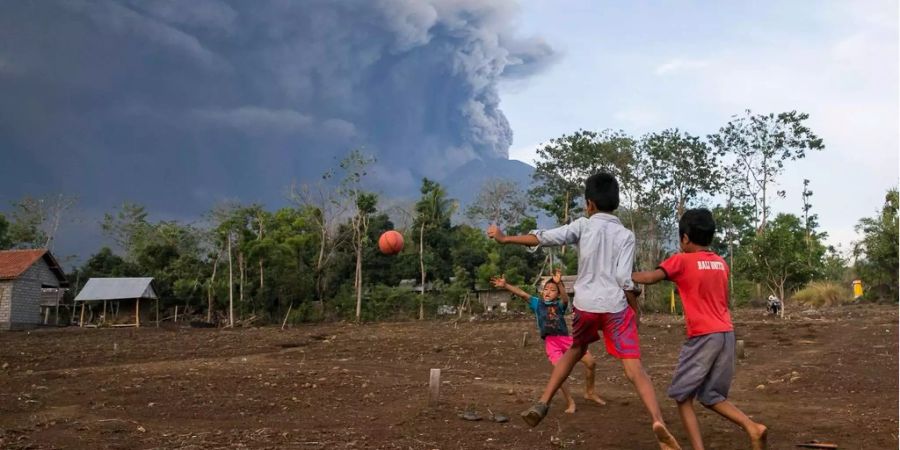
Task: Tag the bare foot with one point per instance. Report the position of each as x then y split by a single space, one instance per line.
665 439
571 409
594 398
758 437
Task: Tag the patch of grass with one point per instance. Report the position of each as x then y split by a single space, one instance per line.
823 293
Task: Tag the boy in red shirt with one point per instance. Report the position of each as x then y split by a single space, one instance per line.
706 363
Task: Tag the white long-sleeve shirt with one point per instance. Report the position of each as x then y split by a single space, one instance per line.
605 260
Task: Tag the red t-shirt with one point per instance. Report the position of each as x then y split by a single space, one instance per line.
702 280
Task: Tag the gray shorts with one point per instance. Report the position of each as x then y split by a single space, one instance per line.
705 369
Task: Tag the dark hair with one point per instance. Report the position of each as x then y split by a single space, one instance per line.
699 226
602 189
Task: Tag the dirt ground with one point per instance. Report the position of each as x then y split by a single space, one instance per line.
830 375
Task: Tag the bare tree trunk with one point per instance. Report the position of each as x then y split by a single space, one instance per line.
422 269
320 287
55 224
241 268
230 286
358 235
781 296
209 291
259 238
61 205
730 273
358 282
765 208
565 218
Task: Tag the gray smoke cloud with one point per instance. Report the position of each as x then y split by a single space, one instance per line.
178 104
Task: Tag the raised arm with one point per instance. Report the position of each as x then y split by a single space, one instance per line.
649 277
563 295
494 232
500 282
566 234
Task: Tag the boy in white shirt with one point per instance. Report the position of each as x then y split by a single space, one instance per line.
603 296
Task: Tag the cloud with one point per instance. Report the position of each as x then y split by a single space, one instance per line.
526 154
123 20
529 56
638 117
680 65
847 80
410 20
254 119
8 67
212 15
235 99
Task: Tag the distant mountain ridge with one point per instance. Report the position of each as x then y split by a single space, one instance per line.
465 182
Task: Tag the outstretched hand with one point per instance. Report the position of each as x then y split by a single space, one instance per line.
499 282
494 232
557 276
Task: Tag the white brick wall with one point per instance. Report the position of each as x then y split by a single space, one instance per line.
25 307
5 299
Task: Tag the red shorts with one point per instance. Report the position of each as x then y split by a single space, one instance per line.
619 331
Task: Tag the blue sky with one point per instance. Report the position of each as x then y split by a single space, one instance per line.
642 67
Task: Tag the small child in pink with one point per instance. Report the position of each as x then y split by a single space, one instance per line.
550 313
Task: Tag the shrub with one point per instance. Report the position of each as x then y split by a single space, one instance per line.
744 294
308 311
822 293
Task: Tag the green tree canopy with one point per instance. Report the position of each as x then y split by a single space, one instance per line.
876 253
779 257
566 162
759 145
5 241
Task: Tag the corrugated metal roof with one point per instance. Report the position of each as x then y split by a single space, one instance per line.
116 289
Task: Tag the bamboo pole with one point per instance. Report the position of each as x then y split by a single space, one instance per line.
81 322
104 310
137 312
287 315
434 386
230 286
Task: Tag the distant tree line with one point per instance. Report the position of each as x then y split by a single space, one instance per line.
318 257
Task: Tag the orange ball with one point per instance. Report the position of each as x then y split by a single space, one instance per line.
390 242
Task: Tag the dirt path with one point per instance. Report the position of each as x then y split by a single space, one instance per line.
827 376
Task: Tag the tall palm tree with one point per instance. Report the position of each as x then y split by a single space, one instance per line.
433 210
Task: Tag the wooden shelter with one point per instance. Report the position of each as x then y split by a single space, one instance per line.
112 292
493 298
31 286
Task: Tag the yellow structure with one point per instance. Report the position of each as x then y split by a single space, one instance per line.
857 289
